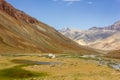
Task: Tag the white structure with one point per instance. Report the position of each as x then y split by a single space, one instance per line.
89 56
51 55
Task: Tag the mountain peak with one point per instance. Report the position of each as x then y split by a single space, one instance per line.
95 28
17 14
115 26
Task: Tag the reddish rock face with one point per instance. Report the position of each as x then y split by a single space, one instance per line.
17 14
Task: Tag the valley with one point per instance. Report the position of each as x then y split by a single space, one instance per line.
72 67
103 39
33 50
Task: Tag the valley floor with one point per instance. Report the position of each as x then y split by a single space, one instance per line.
68 68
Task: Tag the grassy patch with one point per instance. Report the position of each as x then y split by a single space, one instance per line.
79 57
18 73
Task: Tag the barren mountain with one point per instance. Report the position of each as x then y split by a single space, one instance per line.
104 38
110 43
115 26
21 33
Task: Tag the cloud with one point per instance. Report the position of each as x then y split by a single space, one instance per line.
69 2
90 2
55 0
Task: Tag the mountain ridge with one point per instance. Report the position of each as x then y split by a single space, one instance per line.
103 38
17 14
21 33
114 26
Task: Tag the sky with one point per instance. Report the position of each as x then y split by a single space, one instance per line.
79 14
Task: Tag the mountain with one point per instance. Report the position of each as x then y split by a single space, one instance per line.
21 33
114 54
115 26
103 38
110 43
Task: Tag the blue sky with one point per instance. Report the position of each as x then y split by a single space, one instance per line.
81 14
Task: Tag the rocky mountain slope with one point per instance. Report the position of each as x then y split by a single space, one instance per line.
21 33
104 38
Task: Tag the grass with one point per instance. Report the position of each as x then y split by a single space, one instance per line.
78 56
72 68
18 73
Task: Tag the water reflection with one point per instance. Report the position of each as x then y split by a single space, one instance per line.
19 61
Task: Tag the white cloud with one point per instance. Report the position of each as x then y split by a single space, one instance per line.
69 2
90 2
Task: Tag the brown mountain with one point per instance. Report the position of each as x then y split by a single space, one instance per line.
114 54
17 14
21 33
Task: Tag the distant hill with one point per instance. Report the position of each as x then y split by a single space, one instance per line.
103 38
21 33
